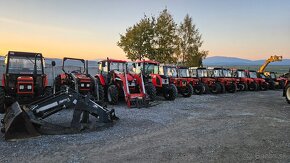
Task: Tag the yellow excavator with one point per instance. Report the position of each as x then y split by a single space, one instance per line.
271 77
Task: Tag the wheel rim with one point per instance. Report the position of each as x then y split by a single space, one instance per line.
288 93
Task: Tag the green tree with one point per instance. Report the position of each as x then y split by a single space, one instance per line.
138 40
166 39
190 43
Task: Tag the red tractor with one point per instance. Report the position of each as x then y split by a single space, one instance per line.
24 79
182 84
117 82
198 86
230 74
228 83
155 83
210 83
77 78
262 84
244 80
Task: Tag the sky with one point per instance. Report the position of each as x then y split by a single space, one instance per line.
90 29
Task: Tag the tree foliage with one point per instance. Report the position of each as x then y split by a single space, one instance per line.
190 43
162 40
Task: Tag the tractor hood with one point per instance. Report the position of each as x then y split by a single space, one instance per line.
82 76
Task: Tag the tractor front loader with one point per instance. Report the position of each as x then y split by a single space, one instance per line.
119 82
26 121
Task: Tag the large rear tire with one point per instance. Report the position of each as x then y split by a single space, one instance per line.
216 88
170 93
281 84
232 88
151 91
2 101
188 91
199 89
101 92
264 86
287 93
242 87
252 86
113 95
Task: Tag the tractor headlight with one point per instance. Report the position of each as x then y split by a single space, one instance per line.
29 87
164 81
82 85
88 85
21 87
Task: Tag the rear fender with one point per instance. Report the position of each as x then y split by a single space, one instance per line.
101 79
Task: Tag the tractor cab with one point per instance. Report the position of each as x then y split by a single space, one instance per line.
183 85
24 79
156 83
203 75
224 77
198 86
262 84
244 82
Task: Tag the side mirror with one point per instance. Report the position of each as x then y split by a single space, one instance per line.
53 63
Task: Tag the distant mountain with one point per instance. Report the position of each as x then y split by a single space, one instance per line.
233 61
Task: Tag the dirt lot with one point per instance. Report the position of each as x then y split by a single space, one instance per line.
241 127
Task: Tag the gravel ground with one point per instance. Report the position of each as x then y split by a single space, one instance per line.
240 127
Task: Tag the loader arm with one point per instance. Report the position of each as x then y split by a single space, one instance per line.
274 58
21 122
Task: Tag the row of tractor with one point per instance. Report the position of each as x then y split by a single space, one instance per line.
27 99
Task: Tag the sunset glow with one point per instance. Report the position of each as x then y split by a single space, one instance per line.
90 29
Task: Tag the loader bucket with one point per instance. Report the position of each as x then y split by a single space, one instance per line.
17 124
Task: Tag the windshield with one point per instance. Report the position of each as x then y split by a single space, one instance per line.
73 66
183 72
202 73
119 66
217 73
252 74
273 75
262 76
227 73
168 71
24 65
151 68
241 74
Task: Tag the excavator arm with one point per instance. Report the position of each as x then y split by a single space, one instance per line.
269 60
